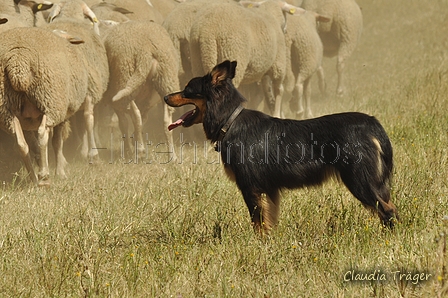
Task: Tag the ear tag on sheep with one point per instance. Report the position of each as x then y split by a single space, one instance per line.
292 11
39 7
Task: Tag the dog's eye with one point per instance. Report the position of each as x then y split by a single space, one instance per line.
192 94
188 92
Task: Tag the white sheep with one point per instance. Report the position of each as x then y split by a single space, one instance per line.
178 24
44 80
141 9
144 68
253 37
41 89
165 7
72 12
305 52
108 13
341 34
22 13
69 16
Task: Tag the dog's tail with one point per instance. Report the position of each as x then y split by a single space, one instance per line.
384 167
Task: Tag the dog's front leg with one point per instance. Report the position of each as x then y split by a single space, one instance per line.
264 209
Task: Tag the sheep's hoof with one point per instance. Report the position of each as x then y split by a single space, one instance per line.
94 160
62 176
44 181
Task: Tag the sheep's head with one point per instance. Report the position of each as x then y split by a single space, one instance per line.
74 10
289 9
277 8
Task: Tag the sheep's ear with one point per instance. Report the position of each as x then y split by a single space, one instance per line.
70 38
3 20
223 71
249 4
291 9
91 15
54 12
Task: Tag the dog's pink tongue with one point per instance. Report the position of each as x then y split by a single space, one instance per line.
175 124
179 121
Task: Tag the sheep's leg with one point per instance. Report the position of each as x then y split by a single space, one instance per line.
340 69
154 99
321 81
43 134
123 125
298 96
24 149
31 140
84 151
89 120
96 126
58 142
346 48
138 134
307 97
80 133
266 83
278 96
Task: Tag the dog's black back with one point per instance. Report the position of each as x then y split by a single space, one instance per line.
263 154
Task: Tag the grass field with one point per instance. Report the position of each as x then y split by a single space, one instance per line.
181 229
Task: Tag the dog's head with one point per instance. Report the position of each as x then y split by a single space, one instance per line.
200 92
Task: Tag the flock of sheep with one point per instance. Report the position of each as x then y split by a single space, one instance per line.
66 61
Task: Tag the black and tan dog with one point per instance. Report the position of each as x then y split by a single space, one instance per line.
264 155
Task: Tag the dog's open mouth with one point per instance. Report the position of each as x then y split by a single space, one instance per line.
184 120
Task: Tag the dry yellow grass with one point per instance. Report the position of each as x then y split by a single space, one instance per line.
182 230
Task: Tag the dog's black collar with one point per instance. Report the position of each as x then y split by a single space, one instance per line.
226 126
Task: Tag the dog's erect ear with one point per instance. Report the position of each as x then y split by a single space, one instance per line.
223 71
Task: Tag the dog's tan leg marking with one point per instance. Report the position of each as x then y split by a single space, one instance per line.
271 209
265 216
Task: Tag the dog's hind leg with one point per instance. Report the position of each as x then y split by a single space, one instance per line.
264 209
386 209
373 194
369 177
369 181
